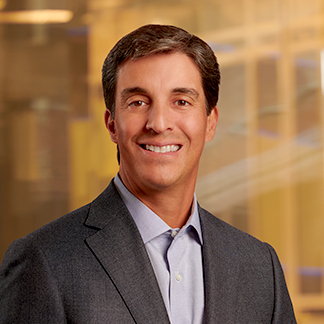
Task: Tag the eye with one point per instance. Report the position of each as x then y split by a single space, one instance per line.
137 103
182 103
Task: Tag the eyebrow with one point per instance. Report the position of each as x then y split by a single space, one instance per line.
128 91
190 91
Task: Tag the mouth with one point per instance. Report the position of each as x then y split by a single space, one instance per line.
161 149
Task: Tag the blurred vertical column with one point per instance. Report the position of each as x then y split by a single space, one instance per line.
3 144
93 156
288 229
34 117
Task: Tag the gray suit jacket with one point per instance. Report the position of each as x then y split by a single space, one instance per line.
91 266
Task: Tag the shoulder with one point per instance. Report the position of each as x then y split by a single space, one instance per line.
59 237
232 241
75 225
245 270
66 235
213 225
226 245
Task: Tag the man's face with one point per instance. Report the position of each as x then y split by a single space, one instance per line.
160 122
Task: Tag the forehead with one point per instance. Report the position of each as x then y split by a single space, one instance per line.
163 70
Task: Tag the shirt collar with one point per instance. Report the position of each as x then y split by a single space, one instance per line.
150 224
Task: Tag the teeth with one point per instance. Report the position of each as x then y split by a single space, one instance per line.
162 149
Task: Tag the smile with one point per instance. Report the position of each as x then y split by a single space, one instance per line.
161 149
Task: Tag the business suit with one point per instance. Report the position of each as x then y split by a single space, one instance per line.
91 266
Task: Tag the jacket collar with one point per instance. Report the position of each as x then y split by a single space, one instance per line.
119 248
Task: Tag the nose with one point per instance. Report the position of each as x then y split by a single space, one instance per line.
159 118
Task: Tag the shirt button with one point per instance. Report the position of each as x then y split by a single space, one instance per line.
174 233
178 276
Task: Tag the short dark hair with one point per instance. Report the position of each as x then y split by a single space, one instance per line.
156 39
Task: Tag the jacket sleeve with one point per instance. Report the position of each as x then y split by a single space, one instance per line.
283 310
28 291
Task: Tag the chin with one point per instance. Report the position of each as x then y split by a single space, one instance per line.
159 182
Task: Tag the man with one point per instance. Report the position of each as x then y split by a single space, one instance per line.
144 251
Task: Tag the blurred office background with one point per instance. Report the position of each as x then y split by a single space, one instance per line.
263 172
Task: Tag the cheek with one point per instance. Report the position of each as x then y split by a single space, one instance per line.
127 128
195 128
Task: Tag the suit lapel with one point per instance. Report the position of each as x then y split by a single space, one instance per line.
119 248
220 272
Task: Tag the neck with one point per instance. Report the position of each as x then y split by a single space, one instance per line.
172 205
174 209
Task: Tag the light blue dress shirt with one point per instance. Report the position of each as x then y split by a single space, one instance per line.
176 257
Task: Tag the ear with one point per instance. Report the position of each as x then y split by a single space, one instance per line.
111 126
212 121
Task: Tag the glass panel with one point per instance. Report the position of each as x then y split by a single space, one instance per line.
223 161
309 172
300 8
269 211
218 14
266 10
267 96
